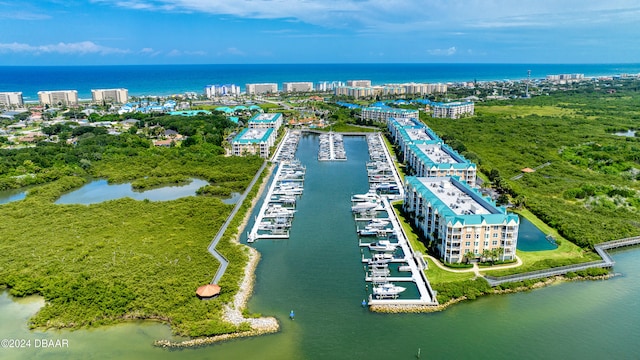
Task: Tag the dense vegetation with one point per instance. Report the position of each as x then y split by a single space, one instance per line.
121 259
589 190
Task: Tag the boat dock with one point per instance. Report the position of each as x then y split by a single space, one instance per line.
331 148
384 268
278 208
276 213
383 176
287 149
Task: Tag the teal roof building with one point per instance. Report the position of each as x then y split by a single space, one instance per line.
458 220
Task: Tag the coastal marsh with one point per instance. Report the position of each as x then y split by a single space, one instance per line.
506 145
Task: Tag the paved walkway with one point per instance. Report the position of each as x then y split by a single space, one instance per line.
212 246
475 269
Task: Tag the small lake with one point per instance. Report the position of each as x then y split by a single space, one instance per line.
628 133
12 195
98 191
530 238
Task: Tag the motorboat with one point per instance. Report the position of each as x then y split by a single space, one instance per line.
367 197
382 245
368 231
404 268
364 206
388 289
377 223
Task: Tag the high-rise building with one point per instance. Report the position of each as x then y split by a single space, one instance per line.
11 98
359 83
297 86
56 98
217 90
116 96
264 88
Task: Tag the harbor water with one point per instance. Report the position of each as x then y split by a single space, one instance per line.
317 273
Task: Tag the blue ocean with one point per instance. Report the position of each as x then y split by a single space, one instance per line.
177 79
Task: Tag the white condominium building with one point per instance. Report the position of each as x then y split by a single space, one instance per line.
254 142
264 88
11 98
359 83
217 90
297 86
355 92
266 121
56 98
117 96
383 114
452 110
328 85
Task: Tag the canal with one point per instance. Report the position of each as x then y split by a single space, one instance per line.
317 273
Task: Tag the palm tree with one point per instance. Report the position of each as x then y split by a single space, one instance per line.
486 254
469 255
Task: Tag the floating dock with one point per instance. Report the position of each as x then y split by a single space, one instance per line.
331 148
278 208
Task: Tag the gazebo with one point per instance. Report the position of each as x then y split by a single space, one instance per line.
208 291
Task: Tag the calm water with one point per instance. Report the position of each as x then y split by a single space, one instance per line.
98 191
8 196
530 238
628 133
317 273
178 79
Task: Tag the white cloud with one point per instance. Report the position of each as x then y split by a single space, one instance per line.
78 48
402 14
443 52
233 51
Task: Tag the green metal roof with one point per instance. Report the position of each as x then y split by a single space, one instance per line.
261 135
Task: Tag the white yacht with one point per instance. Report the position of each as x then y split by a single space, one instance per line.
388 289
383 245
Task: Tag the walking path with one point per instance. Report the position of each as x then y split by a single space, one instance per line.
212 246
475 269
601 249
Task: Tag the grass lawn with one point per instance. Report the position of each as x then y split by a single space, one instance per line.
434 273
566 253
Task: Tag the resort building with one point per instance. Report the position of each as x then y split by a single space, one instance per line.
438 160
405 132
564 78
383 114
328 85
297 86
266 121
452 110
56 98
11 99
359 83
458 220
355 92
264 88
254 142
117 96
212 91
422 89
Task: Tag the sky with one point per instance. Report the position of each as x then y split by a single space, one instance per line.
124 32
